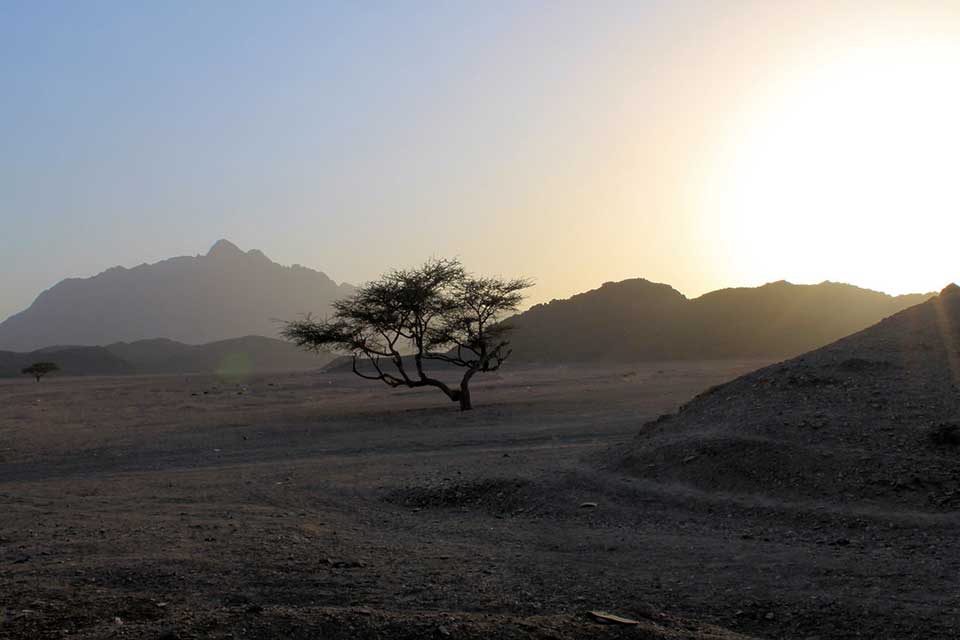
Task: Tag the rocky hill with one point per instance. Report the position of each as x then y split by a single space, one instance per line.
636 320
227 293
250 354
238 356
872 418
95 361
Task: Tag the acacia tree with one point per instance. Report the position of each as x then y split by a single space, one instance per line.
437 312
40 369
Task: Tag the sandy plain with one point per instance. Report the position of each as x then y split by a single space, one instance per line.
310 505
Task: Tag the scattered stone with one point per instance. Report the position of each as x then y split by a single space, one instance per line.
609 618
646 610
348 564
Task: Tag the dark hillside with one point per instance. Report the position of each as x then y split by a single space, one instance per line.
638 320
872 418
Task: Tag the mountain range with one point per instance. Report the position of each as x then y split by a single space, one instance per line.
227 293
238 356
160 309
637 320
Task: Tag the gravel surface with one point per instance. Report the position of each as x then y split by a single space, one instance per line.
308 505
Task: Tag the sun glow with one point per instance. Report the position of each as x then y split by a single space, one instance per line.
847 170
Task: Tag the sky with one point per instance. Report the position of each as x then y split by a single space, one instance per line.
700 143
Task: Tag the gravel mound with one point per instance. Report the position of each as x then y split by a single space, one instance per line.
873 418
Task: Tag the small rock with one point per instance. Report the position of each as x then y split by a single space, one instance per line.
609 618
349 564
588 505
646 610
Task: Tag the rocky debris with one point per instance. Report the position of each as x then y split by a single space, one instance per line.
345 564
501 495
858 365
351 623
872 418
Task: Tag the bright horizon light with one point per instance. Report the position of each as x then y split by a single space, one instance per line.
847 170
699 144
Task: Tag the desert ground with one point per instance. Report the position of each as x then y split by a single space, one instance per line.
313 505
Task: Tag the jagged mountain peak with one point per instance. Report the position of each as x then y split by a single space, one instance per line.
226 293
950 290
222 248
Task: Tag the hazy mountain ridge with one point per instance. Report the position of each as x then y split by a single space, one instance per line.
226 293
642 320
229 293
70 360
250 354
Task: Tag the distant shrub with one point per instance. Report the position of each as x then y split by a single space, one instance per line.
40 369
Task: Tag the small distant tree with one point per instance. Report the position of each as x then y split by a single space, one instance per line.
434 313
40 369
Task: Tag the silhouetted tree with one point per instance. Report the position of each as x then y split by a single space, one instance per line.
436 312
40 369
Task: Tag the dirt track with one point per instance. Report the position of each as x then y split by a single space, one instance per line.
305 506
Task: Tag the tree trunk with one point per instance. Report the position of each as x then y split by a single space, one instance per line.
465 404
37 377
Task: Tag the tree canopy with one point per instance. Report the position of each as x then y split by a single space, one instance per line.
408 318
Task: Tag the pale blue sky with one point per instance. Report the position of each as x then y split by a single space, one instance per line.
561 140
